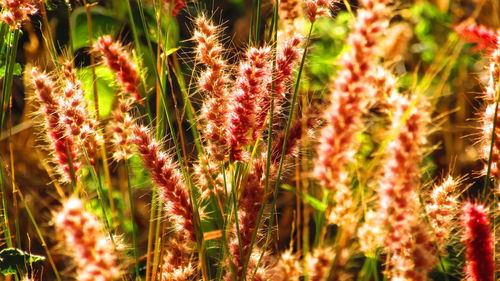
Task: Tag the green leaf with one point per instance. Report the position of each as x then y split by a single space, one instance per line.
17 70
12 259
445 265
106 87
170 51
103 22
315 203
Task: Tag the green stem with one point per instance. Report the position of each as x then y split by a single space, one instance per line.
6 227
492 143
151 236
40 236
5 97
132 212
100 196
9 74
258 15
283 150
269 141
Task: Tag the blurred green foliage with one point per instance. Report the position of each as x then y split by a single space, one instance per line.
106 87
103 22
327 47
432 27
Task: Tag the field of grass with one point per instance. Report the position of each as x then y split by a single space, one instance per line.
249 140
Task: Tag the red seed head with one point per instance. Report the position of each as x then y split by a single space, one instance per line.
251 85
86 241
478 241
214 81
486 39
16 12
315 9
172 189
119 60
62 144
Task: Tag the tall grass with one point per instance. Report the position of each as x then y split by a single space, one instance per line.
197 159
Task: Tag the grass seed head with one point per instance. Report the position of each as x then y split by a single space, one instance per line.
120 61
479 243
84 237
16 12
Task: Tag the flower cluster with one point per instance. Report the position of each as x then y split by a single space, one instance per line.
121 128
172 189
408 239
82 126
286 62
290 11
85 238
61 143
119 60
486 39
251 86
491 93
479 243
16 12
338 142
441 209
214 81
318 8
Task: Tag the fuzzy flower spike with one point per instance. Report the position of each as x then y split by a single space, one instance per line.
290 11
349 98
407 237
121 128
120 61
251 86
84 237
286 62
492 89
442 208
16 12
478 242
172 189
486 39
214 81
318 8
62 145
81 125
